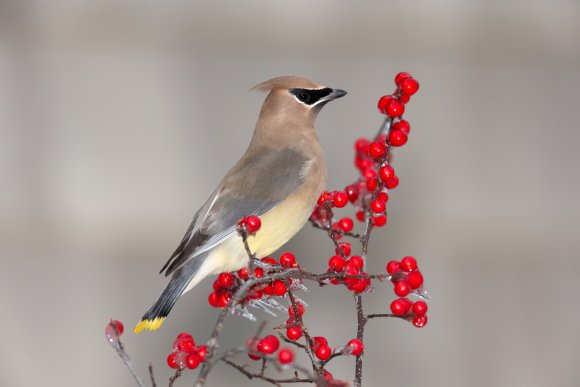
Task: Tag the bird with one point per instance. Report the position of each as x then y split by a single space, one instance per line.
279 178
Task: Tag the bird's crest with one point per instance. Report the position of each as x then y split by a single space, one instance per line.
286 82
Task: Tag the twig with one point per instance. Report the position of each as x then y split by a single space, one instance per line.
174 377
153 384
276 382
120 348
338 232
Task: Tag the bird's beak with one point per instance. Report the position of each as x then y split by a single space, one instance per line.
336 93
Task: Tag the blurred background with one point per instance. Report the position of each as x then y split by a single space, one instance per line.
117 119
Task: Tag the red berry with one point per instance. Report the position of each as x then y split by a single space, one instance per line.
269 261
361 144
324 197
378 206
383 196
286 356
265 346
185 336
402 125
402 288
397 138
244 273
252 344
259 272
328 376
213 299
318 341
293 333
360 215
352 267
379 220
420 321
345 247
185 345
400 306
415 279
201 352
409 86
384 101
346 224
113 330
223 299
359 286
253 223
400 77
404 97
299 306
192 361
287 259
408 264
323 352
392 267
340 199
256 293
226 280
349 271
274 341
352 192
377 149
172 360
336 263
392 183
253 356
355 346
366 163
372 184
279 288
420 308
268 289
386 172
357 261
395 108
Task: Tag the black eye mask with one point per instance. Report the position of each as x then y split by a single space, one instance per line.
310 96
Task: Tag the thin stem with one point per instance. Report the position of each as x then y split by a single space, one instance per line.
338 232
360 332
174 377
153 384
120 348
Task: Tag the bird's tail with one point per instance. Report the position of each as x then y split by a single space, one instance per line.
183 279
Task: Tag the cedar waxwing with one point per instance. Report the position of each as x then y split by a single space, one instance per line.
279 178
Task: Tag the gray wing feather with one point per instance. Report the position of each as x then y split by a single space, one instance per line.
255 185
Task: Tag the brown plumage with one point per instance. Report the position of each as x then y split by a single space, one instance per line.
279 178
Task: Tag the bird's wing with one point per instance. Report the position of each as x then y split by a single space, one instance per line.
255 185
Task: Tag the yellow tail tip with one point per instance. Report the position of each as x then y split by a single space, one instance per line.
149 324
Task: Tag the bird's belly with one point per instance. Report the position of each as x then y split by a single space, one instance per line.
280 224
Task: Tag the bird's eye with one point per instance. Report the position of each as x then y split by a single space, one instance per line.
304 96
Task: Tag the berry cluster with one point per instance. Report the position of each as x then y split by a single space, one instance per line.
369 194
185 354
259 348
352 266
227 284
407 278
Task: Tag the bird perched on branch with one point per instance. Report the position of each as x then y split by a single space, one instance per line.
279 179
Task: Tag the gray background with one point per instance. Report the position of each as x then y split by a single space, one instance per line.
117 118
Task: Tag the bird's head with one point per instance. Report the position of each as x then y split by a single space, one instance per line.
294 99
